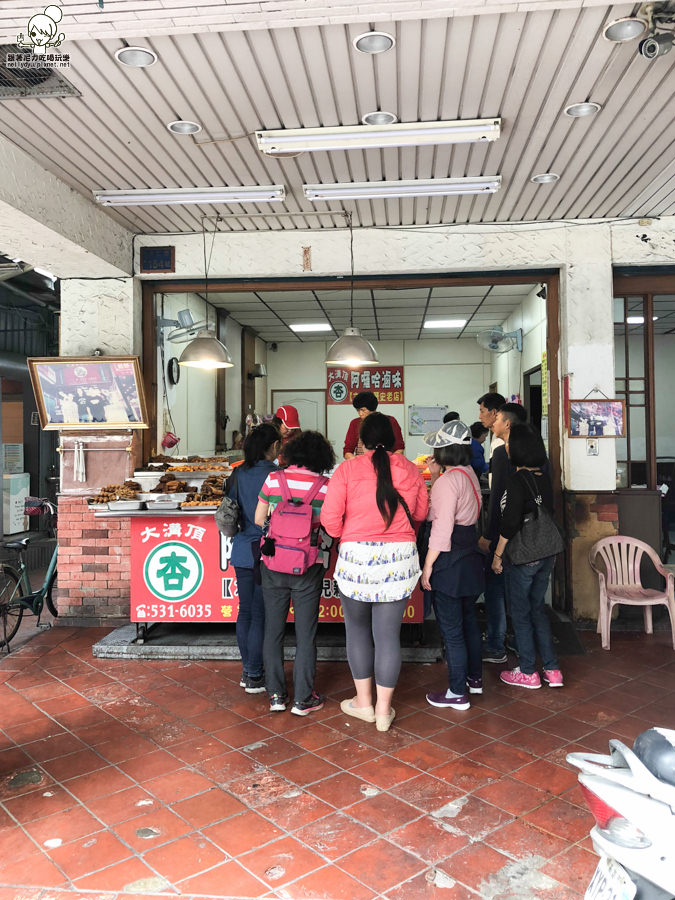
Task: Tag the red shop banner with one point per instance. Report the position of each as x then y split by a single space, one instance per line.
386 382
181 572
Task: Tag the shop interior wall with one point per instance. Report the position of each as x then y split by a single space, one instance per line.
453 373
191 400
508 368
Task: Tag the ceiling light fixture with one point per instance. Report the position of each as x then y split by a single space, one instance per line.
355 137
136 57
420 187
379 117
545 178
374 42
311 326
638 320
182 126
445 323
625 29
271 193
581 110
206 352
351 350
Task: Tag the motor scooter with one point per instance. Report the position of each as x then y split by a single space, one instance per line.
631 794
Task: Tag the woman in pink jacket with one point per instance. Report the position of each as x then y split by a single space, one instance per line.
371 503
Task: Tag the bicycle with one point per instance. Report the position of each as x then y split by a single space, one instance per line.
16 593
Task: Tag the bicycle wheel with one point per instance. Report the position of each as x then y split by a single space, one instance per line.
10 614
49 600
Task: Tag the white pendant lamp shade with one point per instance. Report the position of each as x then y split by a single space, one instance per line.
351 350
206 352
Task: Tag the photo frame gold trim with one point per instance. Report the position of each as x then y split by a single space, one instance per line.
88 393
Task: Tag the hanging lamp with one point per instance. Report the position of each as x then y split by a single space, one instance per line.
206 351
351 350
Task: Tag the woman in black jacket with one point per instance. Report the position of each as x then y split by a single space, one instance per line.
526 584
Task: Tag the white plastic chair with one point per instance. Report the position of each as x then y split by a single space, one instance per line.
620 582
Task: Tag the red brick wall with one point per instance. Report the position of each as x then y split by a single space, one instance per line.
94 568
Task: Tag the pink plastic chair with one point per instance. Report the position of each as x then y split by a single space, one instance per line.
620 582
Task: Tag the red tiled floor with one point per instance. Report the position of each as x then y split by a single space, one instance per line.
254 804
381 865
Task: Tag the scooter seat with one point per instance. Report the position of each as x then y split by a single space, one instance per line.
21 544
656 750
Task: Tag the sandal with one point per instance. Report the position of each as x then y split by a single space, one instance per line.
382 723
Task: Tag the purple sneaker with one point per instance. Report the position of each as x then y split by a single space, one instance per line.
475 685
443 701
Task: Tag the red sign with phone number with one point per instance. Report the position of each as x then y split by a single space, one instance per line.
181 572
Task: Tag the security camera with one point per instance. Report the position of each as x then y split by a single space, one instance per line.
273 347
656 45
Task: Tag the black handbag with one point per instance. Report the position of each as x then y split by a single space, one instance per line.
228 515
539 536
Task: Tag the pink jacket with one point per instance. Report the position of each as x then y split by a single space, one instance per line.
350 512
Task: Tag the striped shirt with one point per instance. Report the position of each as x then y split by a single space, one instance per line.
300 481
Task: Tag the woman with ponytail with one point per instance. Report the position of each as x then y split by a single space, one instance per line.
371 504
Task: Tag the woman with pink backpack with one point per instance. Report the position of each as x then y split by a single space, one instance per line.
291 566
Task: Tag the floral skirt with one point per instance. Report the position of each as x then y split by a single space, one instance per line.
377 571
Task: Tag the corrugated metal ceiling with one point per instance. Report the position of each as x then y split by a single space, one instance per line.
523 66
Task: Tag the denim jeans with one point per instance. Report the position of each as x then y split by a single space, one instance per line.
456 619
526 586
495 610
250 622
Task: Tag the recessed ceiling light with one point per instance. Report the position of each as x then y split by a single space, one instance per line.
580 110
625 29
445 323
374 42
136 57
311 326
181 126
545 178
379 117
638 320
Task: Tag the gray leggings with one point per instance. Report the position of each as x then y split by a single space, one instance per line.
373 639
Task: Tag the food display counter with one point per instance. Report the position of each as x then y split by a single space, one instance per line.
154 564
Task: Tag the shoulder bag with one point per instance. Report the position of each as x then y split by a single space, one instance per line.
539 536
228 515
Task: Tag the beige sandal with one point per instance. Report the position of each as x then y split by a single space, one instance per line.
382 723
365 713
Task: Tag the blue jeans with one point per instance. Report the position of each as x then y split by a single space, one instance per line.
456 619
526 586
495 610
250 622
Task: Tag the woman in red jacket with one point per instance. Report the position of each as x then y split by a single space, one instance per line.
371 503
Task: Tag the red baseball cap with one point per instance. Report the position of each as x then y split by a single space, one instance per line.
289 416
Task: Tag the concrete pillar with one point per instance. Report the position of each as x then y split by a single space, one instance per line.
102 314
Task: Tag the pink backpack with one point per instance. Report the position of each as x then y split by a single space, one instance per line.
294 545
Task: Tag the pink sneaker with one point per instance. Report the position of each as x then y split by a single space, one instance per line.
553 677
520 679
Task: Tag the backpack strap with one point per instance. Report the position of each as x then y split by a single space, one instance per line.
314 490
283 484
466 475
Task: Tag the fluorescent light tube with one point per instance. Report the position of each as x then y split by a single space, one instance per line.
638 320
179 196
415 188
309 326
353 137
445 323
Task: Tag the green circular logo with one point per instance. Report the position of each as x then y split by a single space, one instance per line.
173 571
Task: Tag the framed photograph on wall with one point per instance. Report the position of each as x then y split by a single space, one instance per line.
82 393
596 418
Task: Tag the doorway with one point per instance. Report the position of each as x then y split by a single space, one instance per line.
532 396
310 404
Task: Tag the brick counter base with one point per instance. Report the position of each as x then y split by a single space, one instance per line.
94 567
